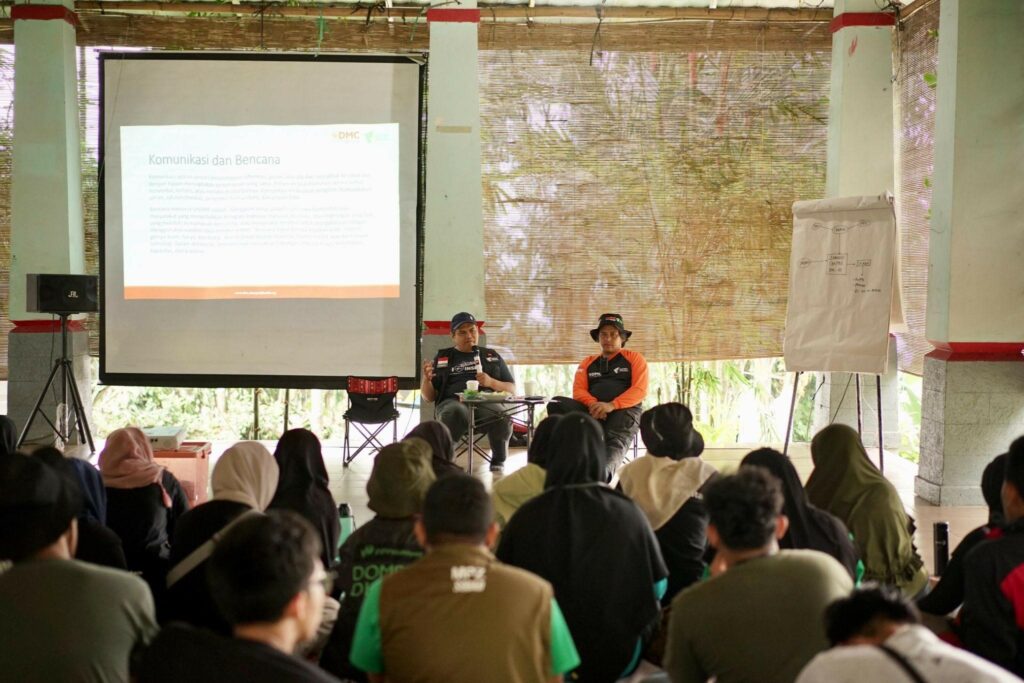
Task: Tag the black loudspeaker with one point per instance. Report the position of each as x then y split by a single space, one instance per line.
46 293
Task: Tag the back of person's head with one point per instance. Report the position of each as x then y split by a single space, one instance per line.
867 613
780 467
400 478
246 473
578 454
438 436
457 509
260 564
992 487
37 506
744 507
1013 477
667 431
539 452
300 461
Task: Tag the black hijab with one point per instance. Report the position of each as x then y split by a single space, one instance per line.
595 547
302 487
576 453
8 436
809 527
442 448
539 452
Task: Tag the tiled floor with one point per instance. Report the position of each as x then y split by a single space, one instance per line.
349 485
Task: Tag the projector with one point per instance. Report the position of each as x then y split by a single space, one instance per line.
165 438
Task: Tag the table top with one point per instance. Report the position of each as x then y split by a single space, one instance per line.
484 397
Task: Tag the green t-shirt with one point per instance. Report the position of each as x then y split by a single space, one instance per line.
367 652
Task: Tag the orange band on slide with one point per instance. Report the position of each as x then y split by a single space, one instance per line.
264 292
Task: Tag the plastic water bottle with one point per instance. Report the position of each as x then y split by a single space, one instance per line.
348 522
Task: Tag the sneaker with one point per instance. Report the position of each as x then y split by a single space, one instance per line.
497 468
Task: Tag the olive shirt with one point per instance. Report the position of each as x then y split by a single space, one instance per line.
762 620
460 615
65 620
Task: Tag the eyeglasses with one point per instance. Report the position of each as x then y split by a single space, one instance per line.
326 581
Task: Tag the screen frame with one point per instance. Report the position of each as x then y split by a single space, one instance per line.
255 380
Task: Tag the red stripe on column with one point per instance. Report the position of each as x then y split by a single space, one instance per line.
444 327
848 19
978 351
460 16
44 13
44 326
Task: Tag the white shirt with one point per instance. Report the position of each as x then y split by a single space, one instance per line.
935 660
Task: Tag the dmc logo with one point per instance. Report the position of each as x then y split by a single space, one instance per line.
619 370
346 135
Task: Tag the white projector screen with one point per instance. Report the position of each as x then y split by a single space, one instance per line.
259 219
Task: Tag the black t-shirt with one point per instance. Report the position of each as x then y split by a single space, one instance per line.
180 653
453 368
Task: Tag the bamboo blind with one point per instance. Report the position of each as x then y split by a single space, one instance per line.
917 60
655 181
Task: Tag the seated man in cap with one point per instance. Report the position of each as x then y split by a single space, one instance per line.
447 375
60 619
611 386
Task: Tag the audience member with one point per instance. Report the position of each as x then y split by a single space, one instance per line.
399 480
97 544
8 436
266 577
60 619
882 639
848 485
993 609
437 435
302 488
144 502
810 527
948 593
457 615
759 617
509 493
243 481
667 483
595 546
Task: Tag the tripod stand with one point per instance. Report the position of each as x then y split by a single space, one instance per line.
68 389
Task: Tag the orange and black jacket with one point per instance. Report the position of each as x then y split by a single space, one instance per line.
620 380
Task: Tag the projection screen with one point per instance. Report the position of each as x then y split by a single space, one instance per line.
259 219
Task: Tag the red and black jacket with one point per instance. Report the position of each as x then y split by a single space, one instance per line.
992 618
620 380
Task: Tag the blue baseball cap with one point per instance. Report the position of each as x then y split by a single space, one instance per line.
461 319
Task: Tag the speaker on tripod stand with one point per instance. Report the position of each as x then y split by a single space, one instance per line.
64 296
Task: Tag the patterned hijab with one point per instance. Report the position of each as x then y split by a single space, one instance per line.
126 462
246 473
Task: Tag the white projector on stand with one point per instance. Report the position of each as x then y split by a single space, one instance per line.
165 438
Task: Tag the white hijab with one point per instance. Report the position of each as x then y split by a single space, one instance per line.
246 473
660 486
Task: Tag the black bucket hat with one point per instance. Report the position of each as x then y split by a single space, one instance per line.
610 319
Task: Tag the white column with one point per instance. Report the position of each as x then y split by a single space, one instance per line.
861 162
46 199
973 403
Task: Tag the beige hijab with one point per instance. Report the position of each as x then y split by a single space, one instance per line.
660 486
247 473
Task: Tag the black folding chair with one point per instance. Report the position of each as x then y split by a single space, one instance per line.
371 407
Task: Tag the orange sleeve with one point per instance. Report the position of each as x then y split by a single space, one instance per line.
637 392
581 385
